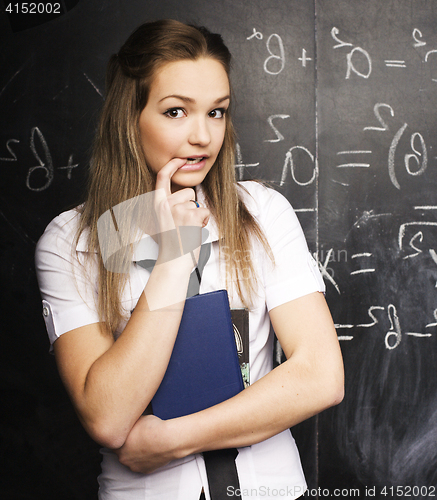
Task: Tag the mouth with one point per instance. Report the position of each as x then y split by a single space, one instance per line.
193 161
193 164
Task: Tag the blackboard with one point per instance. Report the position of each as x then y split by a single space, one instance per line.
335 106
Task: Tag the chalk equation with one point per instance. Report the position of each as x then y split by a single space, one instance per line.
275 61
416 240
394 335
44 161
358 60
307 161
415 161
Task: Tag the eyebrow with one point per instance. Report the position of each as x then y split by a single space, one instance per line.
190 100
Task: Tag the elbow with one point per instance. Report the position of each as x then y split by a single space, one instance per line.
108 429
333 389
106 435
337 395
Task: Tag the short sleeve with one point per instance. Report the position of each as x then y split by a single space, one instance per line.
66 286
295 272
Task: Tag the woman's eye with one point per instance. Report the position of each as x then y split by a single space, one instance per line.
217 113
175 113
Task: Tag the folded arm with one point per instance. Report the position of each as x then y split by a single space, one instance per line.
309 381
112 382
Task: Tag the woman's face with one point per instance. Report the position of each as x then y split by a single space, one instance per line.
185 118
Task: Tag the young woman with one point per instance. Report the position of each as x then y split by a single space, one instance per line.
165 130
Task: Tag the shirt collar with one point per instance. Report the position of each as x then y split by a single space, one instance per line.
147 248
248 200
82 244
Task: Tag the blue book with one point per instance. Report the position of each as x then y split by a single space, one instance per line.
204 369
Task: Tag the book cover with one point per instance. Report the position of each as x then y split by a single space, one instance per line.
204 368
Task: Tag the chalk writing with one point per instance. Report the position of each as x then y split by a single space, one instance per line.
324 270
428 54
274 56
408 224
419 156
395 64
417 35
13 156
93 85
240 166
365 270
413 239
279 136
354 165
372 316
69 167
255 34
433 254
334 32
393 336
44 159
359 62
275 62
391 156
351 67
304 58
46 166
377 113
290 163
429 325
395 328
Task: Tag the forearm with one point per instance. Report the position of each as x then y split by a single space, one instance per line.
286 396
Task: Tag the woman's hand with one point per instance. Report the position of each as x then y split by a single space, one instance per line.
179 220
150 445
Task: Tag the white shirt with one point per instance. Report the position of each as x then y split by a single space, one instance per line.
270 469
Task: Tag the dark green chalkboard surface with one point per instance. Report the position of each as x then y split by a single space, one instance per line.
336 106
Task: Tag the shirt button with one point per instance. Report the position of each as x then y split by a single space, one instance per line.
45 311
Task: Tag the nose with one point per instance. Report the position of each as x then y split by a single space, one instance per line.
200 134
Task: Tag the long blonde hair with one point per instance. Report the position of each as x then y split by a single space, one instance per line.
118 168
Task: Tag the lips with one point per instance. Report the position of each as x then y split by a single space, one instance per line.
193 161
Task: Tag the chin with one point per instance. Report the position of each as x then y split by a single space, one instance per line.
188 179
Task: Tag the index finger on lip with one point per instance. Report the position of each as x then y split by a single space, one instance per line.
163 179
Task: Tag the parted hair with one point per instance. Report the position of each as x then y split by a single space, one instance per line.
118 169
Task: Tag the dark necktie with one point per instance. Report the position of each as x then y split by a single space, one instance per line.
222 473
196 275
